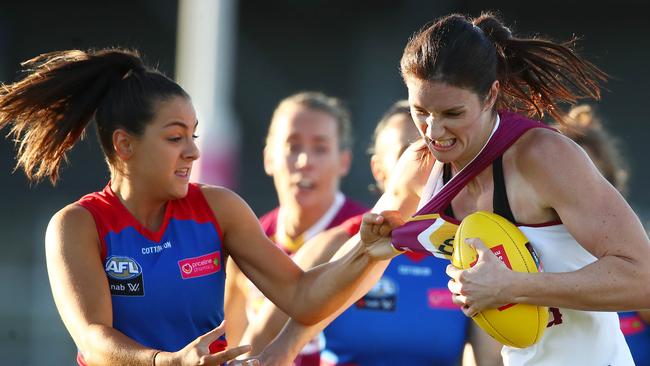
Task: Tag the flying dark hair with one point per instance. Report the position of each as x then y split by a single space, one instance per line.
63 91
536 75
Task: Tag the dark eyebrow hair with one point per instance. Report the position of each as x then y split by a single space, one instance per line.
180 124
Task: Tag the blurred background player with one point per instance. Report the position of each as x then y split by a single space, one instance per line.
585 128
307 153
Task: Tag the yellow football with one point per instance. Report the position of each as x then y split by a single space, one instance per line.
515 325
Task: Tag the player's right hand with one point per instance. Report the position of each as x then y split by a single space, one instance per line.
375 233
198 352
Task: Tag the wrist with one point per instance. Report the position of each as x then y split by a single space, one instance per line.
162 358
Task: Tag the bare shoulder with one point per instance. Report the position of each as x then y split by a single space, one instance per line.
72 228
540 152
228 207
552 168
72 216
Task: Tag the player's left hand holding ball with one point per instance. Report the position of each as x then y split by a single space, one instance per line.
375 233
483 286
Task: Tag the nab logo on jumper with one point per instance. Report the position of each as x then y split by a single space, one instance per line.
124 276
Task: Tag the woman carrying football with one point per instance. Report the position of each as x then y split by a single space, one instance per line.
470 82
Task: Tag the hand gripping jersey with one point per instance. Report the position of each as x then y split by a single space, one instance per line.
341 210
166 286
573 337
408 318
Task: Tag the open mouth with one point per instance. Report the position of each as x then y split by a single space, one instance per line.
442 145
305 183
183 173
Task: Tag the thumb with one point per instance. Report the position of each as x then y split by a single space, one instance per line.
478 245
394 218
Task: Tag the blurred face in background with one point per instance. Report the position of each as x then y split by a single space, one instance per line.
390 143
304 157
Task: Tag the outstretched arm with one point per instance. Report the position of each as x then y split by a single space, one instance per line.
306 296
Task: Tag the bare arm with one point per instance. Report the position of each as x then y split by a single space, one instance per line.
235 303
595 214
82 297
270 319
306 296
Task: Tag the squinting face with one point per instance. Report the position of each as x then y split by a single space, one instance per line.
163 155
304 158
454 121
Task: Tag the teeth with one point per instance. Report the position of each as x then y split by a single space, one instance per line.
305 183
444 143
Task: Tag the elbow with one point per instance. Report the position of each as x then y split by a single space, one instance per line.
309 319
88 346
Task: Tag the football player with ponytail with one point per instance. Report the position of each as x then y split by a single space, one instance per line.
137 269
474 90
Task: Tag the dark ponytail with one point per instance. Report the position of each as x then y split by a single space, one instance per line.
51 107
536 75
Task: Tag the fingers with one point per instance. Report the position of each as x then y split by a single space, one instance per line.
214 334
393 218
453 272
246 362
478 245
372 218
225 356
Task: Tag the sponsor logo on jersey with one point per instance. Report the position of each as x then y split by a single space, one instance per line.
382 297
124 276
440 298
200 266
631 324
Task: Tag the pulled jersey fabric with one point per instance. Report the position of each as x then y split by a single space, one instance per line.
166 286
407 318
637 336
342 209
572 337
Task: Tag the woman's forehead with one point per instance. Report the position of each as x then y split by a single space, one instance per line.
438 94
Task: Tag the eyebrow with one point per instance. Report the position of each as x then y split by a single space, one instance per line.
180 124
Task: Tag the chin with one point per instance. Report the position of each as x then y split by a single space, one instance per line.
179 192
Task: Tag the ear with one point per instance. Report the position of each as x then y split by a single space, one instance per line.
268 161
491 98
377 169
345 162
123 144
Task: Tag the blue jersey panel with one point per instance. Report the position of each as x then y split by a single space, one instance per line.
167 293
637 335
406 319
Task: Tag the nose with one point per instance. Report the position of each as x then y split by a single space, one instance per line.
435 129
191 151
304 160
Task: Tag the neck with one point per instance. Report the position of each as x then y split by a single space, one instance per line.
145 207
297 219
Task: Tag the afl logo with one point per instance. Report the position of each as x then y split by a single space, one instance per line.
122 268
384 288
